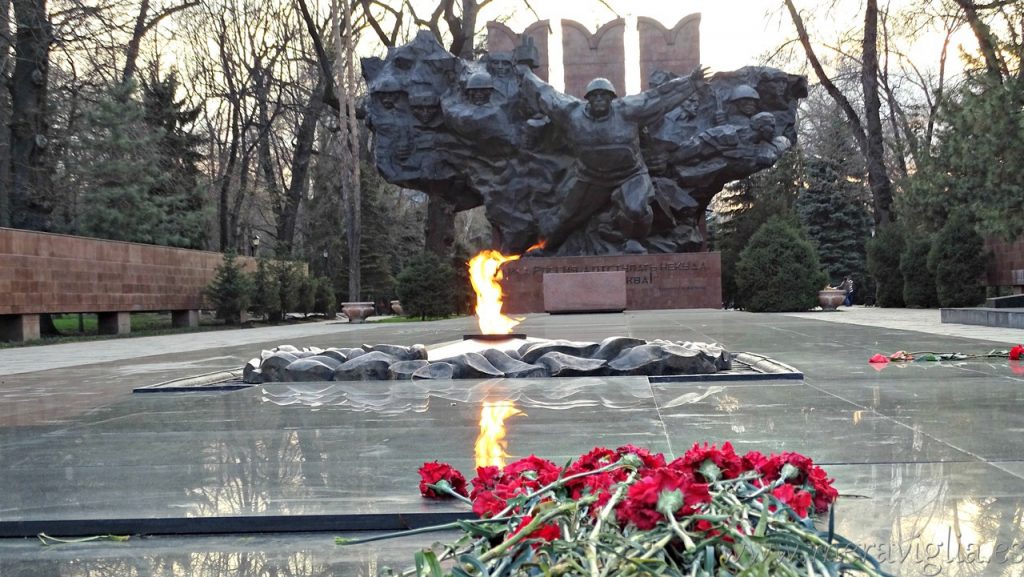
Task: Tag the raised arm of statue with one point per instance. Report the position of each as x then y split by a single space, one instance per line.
650 105
546 98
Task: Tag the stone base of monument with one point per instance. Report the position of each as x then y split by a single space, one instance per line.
652 281
585 292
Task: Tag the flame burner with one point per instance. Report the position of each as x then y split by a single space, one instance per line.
490 338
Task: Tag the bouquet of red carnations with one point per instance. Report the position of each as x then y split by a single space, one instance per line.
628 512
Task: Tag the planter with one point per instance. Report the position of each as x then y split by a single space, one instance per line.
829 299
396 307
357 312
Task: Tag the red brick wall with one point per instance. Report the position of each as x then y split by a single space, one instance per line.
53 273
1006 258
588 56
501 38
676 50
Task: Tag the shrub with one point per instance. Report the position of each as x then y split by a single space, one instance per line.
426 287
289 281
230 289
266 294
884 252
324 301
918 280
306 301
779 270
957 259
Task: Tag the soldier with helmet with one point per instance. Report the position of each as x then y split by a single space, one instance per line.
743 101
603 132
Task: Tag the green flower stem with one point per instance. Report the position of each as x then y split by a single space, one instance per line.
601 518
532 526
447 489
420 531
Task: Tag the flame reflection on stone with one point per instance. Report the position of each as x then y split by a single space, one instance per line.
490 443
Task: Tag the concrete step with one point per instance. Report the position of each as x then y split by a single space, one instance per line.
1010 318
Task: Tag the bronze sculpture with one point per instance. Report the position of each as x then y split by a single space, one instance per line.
606 174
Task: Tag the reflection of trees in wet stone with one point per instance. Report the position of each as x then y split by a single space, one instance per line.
502 145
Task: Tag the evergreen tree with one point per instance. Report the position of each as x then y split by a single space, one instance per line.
918 277
884 252
266 299
427 286
230 290
177 190
779 269
744 206
120 168
957 257
976 163
833 210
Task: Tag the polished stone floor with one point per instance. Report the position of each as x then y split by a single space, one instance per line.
929 456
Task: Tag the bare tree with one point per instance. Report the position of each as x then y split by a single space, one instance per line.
867 132
29 166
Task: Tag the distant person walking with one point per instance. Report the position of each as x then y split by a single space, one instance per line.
847 286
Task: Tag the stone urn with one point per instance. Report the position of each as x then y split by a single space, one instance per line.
829 299
396 307
357 312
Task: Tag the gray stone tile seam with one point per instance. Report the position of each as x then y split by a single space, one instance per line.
891 419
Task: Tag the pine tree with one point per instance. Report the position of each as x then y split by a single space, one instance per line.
884 251
976 163
918 277
230 290
178 190
426 287
779 270
957 258
120 169
834 211
747 204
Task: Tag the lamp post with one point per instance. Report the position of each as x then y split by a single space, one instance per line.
325 254
255 243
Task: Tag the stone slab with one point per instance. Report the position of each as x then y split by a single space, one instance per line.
653 281
577 292
989 317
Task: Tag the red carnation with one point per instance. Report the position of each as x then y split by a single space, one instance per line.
437 473
548 532
533 470
725 459
650 460
486 504
641 504
1016 353
799 501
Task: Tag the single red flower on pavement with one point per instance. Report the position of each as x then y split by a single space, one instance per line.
436 473
879 359
1016 353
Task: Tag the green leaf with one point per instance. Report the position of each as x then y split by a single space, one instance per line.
427 565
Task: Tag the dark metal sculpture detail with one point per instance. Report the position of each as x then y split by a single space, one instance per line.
608 174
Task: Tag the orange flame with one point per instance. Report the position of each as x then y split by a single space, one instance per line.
484 273
491 444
